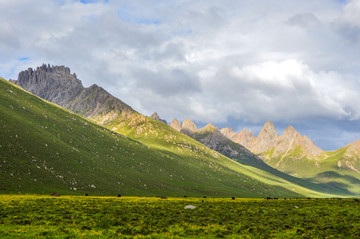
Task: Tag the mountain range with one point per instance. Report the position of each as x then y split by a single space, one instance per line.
211 161
291 152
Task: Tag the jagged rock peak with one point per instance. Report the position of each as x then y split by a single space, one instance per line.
155 116
188 125
209 127
291 132
268 131
57 85
227 132
266 139
46 81
175 124
245 133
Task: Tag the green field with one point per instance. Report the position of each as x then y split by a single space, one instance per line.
32 216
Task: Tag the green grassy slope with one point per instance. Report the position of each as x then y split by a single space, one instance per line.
218 142
335 169
44 148
164 138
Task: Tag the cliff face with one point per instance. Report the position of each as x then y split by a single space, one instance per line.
56 84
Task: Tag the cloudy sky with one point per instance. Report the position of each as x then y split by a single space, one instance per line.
236 63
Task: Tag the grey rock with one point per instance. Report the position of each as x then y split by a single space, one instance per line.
57 85
155 116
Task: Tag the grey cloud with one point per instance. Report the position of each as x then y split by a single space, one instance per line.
304 20
167 82
211 61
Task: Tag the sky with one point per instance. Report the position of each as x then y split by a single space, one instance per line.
232 63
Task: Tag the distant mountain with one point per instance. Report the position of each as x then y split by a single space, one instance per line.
155 116
215 139
269 144
297 155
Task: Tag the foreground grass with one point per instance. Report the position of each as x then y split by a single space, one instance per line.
111 217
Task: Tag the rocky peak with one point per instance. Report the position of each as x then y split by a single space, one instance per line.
266 139
290 132
246 138
52 83
188 126
155 116
57 85
209 127
175 124
228 132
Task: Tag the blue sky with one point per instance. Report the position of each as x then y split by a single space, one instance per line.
230 63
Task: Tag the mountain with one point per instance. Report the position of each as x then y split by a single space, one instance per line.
298 156
155 116
194 168
214 138
57 85
269 144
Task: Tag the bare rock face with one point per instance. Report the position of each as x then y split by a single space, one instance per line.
229 133
175 124
56 84
188 127
246 138
155 116
266 139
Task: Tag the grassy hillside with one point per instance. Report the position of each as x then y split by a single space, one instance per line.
169 141
214 139
44 148
337 169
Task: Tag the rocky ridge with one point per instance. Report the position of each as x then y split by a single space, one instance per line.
57 85
269 144
211 137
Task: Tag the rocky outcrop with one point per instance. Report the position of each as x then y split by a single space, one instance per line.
56 84
246 138
188 127
208 128
175 124
266 139
155 116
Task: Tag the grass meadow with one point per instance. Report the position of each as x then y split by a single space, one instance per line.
34 216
